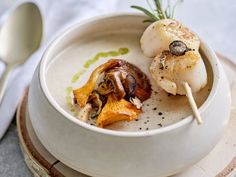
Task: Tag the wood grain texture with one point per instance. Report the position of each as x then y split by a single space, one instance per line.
38 159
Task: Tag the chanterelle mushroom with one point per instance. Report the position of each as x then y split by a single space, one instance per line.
119 95
117 110
97 101
82 94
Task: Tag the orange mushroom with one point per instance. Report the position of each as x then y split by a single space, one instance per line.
117 110
118 96
82 94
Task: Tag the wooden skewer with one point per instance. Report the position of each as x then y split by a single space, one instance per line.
192 102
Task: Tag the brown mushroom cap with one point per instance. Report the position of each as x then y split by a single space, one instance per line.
129 84
115 77
143 87
82 94
121 83
97 101
125 81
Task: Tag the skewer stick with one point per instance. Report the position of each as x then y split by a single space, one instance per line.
192 102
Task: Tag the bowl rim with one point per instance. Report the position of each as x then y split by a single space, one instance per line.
214 63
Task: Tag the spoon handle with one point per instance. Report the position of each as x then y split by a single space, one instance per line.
4 81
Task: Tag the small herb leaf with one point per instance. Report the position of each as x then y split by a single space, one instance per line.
159 12
148 13
148 21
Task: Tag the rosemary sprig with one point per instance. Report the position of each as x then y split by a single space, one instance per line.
152 16
158 4
159 11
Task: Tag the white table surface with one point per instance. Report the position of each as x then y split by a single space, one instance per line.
213 20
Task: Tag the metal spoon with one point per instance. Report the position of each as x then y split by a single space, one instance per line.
20 36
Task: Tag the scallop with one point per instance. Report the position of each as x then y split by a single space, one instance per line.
157 37
171 71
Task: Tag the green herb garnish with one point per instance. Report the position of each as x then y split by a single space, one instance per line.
158 12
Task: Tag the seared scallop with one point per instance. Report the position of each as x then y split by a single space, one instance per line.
157 37
171 71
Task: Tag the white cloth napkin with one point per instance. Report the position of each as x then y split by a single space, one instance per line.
57 15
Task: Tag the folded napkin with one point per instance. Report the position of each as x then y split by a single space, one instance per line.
57 16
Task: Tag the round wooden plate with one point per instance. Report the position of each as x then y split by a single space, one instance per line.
220 162
38 159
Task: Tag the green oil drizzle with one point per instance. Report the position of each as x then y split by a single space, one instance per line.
69 90
86 65
121 51
77 75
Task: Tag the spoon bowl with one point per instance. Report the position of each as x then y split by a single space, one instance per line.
20 36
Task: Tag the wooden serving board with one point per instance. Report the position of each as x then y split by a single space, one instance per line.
220 162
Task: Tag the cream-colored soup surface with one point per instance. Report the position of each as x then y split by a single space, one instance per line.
160 110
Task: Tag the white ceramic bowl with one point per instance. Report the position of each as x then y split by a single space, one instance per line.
107 153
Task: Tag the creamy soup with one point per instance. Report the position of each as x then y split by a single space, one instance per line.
72 67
